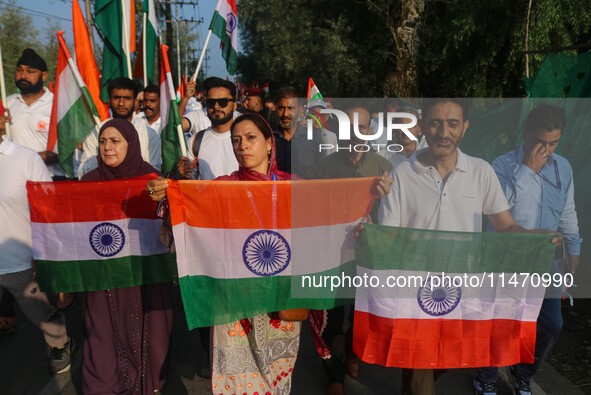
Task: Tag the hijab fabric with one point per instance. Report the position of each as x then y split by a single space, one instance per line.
132 166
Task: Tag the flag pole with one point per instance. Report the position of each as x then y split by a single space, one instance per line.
76 73
3 91
194 77
126 47
144 60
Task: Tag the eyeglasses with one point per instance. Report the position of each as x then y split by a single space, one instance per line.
223 103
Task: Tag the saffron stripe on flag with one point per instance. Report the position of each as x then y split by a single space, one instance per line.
74 204
410 343
300 204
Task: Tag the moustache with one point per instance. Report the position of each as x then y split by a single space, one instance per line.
148 108
23 82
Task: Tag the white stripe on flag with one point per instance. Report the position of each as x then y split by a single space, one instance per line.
70 241
68 92
476 303
313 250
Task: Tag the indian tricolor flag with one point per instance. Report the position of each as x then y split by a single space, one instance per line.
223 24
448 299
172 137
96 235
73 115
243 248
313 92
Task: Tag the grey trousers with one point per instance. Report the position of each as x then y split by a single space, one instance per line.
35 306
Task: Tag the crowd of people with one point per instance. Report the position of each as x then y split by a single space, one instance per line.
429 183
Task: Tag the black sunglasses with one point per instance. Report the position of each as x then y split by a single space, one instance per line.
223 103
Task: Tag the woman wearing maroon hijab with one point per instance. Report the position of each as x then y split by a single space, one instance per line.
127 329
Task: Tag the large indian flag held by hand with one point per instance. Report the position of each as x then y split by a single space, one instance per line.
241 245
96 235
487 320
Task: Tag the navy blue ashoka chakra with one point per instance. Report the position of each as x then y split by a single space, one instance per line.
106 239
440 300
266 253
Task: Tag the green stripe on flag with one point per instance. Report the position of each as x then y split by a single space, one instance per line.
74 126
210 301
171 146
92 275
387 248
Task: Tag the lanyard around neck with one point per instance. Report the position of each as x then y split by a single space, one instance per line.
558 184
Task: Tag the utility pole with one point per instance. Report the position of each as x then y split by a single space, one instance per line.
175 23
89 24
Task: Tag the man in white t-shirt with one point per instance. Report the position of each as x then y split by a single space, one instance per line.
212 147
18 165
151 106
441 188
30 110
122 93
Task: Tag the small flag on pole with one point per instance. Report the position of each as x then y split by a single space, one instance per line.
173 141
73 115
313 92
86 62
223 24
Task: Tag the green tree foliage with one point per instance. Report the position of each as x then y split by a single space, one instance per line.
287 42
17 32
382 47
475 47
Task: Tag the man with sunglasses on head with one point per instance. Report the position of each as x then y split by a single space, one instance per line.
211 148
538 185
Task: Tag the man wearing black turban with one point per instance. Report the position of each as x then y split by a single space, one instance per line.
30 110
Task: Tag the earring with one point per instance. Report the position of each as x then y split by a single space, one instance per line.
268 152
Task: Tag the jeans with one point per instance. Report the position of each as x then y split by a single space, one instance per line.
549 326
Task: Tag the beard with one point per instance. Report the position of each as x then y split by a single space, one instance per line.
443 151
220 121
122 116
27 88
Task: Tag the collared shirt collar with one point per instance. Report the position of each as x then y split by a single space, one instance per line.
461 162
279 134
44 97
6 146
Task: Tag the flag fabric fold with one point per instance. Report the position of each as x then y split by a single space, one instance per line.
245 246
223 24
73 112
149 39
426 321
313 92
86 62
171 119
108 19
96 235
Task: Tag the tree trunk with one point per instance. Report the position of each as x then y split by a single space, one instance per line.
403 81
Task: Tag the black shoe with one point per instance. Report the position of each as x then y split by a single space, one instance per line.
520 387
485 388
60 358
